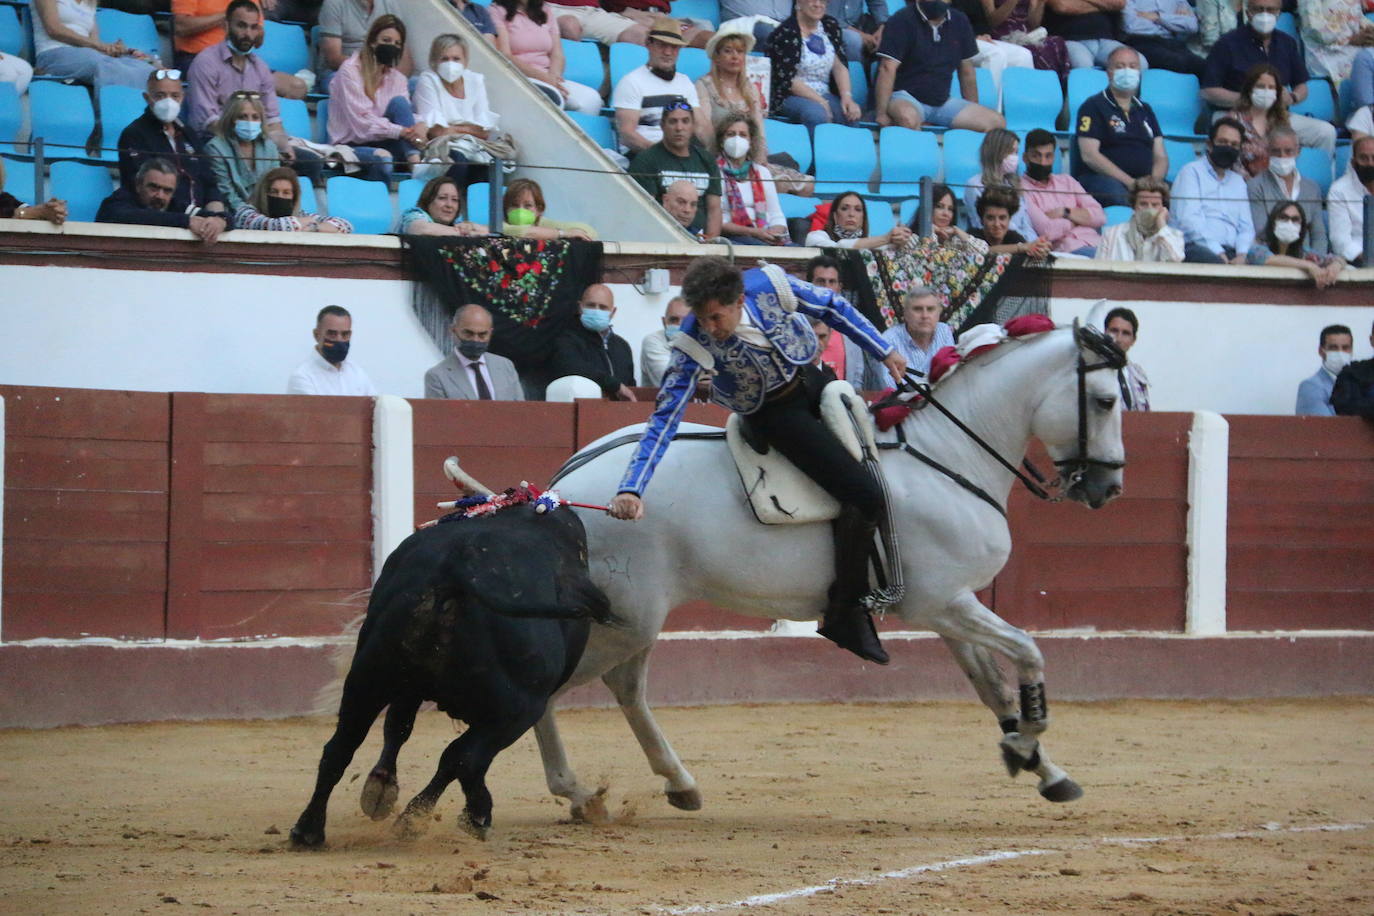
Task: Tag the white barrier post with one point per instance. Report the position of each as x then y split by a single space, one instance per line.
2 518
1208 476
393 477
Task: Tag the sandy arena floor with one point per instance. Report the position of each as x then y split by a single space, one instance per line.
835 809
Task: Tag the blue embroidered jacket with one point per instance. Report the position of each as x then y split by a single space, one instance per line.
745 373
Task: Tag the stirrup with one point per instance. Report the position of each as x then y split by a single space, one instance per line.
880 600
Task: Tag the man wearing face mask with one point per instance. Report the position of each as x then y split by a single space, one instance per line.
1118 138
328 370
1058 207
1334 347
1210 202
158 133
1147 235
654 348
1258 42
1281 183
1345 203
470 373
592 350
1352 395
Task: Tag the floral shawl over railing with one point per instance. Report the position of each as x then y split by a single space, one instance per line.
531 287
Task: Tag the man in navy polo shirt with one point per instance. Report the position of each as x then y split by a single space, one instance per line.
1118 139
1257 42
923 44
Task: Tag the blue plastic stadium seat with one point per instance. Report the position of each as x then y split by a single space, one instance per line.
794 207
708 10
880 219
1176 99
137 32
961 158
478 205
309 203
858 84
1288 24
1317 165
295 118
905 156
322 121
1083 82
693 62
365 204
598 128
11 32
19 180
11 116
407 193
1320 102
907 211
284 47
120 106
845 159
1031 98
793 139
624 58
582 63
1118 214
82 186
987 87
62 116
1180 153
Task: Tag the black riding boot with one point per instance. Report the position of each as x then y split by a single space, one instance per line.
847 623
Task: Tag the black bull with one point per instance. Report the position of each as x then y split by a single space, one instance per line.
485 616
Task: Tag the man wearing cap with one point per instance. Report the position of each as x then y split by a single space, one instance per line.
642 94
578 19
672 162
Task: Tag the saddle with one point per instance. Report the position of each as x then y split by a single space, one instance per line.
780 494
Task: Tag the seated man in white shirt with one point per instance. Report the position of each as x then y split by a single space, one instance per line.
653 349
641 94
328 370
921 332
471 373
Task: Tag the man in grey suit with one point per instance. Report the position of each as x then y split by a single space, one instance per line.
471 373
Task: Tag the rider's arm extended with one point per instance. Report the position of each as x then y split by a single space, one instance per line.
673 397
836 311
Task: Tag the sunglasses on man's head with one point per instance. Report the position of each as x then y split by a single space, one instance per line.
167 75
679 105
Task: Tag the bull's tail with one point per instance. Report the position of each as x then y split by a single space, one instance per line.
331 694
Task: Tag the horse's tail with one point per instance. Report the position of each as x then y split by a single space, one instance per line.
328 697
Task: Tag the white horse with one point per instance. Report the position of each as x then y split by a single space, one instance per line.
699 541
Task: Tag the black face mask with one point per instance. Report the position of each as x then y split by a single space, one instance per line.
1365 173
387 55
334 351
665 75
1223 157
278 207
934 9
1037 172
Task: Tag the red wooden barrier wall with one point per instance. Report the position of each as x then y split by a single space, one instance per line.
85 513
1301 523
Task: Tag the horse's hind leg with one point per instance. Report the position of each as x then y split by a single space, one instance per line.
357 711
466 759
382 785
628 681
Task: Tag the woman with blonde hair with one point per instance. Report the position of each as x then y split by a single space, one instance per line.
452 100
239 152
275 204
999 161
369 102
523 206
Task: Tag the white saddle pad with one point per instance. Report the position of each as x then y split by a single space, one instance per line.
780 494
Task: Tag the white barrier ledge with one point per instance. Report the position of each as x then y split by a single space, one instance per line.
1209 443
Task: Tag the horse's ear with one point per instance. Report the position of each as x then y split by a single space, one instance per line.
1097 314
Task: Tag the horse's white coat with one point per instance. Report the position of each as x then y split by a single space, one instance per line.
699 541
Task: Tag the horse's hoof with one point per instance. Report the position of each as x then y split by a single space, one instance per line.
592 810
1061 790
379 793
686 799
475 826
306 839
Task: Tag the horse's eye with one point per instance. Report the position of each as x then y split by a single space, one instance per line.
1106 402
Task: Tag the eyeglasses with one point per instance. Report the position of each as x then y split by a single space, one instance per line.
167 75
245 94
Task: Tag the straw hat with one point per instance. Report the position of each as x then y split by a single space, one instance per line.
667 30
730 30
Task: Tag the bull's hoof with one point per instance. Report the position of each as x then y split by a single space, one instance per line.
306 839
686 799
1063 789
479 827
379 793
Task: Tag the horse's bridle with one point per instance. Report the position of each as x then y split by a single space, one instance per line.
1071 470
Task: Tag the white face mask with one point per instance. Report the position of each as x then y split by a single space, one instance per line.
736 147
1334 361
1264 99
1264 23
1287 231
1283 166
1011 164
450 71
166 110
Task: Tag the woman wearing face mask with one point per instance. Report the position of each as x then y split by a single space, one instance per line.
846 226
1000 164
369 105
1147 235
1259 109
275 204
524 208
1282 244
749 200
238 151
437 210
453 100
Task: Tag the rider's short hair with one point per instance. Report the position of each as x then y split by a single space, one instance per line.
711 279
1126 315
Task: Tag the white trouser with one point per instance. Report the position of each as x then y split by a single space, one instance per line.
1314 132
996 56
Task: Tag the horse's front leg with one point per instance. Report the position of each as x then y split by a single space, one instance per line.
972 633
587 805
629 681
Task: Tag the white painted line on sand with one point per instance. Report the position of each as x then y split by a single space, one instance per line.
1000 855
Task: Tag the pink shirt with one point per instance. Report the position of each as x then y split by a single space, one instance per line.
1062 191
353 117
530 43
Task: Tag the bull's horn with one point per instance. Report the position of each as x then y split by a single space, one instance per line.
461 478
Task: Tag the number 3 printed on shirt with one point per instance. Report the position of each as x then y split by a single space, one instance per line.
1084 123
